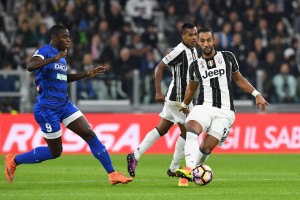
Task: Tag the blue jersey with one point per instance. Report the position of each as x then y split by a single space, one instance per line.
51 80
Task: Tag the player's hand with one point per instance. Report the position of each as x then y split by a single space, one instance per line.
159 97
261 103
186 111
60 55
96 71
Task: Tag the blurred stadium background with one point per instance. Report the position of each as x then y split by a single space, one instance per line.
131 36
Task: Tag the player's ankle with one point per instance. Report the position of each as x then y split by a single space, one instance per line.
113 173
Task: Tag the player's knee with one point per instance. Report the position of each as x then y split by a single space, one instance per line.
190 130
90 134
205 149
57 152
183 135
193 126
187 126
161 132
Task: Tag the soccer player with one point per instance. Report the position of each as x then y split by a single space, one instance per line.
214 111
179 59
53 106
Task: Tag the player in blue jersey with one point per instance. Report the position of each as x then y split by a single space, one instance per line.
53 106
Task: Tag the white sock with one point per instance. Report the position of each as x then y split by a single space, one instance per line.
178 154
147 142
191 149
203 157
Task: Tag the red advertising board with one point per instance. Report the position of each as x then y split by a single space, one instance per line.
122 133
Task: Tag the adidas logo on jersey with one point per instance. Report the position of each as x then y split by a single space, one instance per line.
213 73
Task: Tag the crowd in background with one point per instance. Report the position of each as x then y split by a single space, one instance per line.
128 35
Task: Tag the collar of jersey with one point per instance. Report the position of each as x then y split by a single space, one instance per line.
187 46
55 49
211 58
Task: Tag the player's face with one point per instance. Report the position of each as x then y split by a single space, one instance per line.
189 37
63 40
206 43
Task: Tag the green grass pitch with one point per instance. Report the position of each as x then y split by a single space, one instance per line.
236 177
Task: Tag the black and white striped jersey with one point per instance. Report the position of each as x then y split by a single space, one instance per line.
214 75
179 58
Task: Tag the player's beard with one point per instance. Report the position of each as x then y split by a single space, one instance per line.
207 53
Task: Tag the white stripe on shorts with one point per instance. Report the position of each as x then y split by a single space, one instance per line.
52 135
72 118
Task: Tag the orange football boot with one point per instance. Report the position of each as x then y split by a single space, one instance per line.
116 177
10 167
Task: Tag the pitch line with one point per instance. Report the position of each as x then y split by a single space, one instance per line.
158 180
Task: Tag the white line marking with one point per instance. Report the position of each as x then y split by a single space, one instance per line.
146 180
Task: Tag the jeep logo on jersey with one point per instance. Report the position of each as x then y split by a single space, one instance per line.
61 67
213 73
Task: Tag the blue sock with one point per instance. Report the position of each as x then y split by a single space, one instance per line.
36 155
100 152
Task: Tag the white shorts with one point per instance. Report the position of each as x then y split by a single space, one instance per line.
214 121
171 112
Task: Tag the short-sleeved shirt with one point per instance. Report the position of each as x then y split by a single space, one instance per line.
214 75
179 59
51 80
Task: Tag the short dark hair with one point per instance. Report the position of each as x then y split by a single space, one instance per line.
205 30
54 30
185 26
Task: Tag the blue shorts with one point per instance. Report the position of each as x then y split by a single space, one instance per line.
50 119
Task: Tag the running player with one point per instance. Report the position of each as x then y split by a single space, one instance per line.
179 59
53 106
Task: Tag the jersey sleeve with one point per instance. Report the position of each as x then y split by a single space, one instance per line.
234 64
194 71
41 52
172 57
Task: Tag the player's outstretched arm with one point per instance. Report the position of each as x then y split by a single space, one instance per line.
81 75
261 103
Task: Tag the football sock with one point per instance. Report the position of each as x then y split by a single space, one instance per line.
191 148
37 155
178 154
100 152
203 157
147 142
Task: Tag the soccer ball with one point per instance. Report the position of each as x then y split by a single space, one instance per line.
202 175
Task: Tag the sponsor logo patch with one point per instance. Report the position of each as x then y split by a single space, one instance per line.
61 77
59 66
213 73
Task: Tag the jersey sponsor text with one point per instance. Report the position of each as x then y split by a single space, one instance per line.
213 73
61 77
